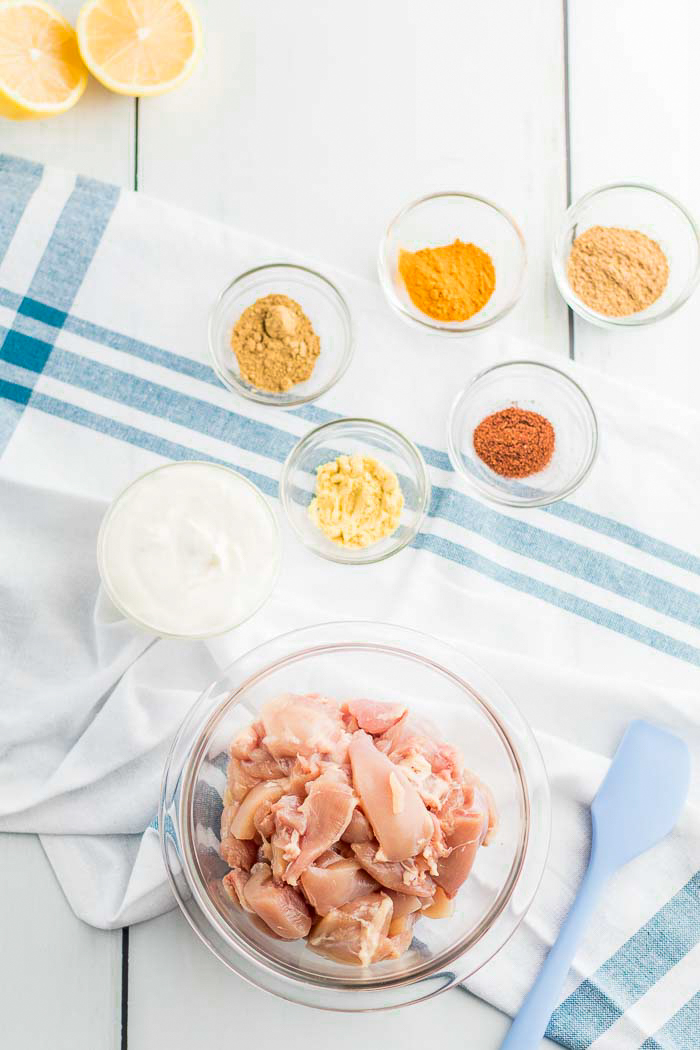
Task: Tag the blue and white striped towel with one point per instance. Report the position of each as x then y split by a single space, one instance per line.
588 612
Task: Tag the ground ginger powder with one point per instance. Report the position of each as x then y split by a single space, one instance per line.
275 344
358 501
449 283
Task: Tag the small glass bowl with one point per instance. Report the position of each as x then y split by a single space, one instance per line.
113 591
347 660
365 437
323 305
438 219
633 206
535 387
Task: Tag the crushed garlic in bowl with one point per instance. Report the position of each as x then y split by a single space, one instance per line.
358 501
355 491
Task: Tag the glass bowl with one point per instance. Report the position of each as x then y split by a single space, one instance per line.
321 302
633 206
251 492
536 387
346 660
348 437
438 219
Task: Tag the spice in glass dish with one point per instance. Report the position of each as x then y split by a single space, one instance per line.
617 272
358 501
515 442
449 283
275 344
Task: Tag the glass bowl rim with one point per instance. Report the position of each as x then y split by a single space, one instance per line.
263 397
112 507
562 282
422 471
455 458
465 328
503 709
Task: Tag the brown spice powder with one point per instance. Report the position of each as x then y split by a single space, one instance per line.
617 272
515 442
275 344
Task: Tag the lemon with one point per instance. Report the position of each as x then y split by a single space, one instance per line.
41 72
139 47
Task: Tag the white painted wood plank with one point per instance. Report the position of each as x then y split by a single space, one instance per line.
635 94
95 137
181 996
313 124
60 980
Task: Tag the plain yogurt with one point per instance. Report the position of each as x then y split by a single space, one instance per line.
189 549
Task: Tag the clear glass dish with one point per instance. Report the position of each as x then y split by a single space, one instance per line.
348 437
321 302
633 206
345 660
535 387
438 219
112 588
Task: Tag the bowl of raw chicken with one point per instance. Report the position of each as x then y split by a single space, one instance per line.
354 816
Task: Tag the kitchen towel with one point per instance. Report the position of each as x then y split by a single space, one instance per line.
587 612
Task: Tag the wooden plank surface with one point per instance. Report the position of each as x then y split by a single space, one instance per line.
313 124
60 980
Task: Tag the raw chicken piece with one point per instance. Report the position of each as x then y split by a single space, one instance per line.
391 803
373 716
358 830
304 725
238 853
441 906
234 883
327 809
290 824
463 842
243 824
398 941
280 907
405 877
335 885
355 932
412 736
404 904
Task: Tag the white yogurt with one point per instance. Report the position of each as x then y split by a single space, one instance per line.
189 549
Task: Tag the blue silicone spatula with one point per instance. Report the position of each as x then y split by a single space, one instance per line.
637 805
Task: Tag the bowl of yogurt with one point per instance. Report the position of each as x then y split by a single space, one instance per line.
189 550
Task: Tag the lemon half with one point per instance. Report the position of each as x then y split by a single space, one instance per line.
41 72
139 47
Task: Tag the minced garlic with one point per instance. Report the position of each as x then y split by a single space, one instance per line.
358 501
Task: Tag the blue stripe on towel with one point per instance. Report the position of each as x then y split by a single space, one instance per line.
631 972
272 442
59 275
442 548
316 415
18 180
681 1032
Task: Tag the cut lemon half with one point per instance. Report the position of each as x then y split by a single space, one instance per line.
139 47
41 72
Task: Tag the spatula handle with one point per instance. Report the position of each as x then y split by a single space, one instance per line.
530 1025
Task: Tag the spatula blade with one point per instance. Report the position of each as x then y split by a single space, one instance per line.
643 794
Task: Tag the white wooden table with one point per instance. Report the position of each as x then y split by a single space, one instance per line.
311 123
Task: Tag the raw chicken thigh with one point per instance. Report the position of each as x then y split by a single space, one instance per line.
347 822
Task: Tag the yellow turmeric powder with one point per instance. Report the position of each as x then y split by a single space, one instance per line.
449 283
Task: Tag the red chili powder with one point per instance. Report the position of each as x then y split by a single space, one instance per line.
514 442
